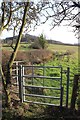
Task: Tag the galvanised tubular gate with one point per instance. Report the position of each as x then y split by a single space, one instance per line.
23 86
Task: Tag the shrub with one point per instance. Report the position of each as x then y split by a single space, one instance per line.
35 45
40 43
32 56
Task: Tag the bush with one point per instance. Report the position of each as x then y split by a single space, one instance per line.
41 43
35 45
32 56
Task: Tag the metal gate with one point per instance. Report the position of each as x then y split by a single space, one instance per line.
42 84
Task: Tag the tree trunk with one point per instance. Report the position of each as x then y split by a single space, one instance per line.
78 99
4 87
13 55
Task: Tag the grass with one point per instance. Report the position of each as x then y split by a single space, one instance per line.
65 61
62 47
23 47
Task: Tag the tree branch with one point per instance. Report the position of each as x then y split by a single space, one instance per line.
3 13
9 19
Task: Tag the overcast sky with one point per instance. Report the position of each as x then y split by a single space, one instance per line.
62 33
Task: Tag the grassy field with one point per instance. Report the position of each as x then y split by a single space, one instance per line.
24 46
58 59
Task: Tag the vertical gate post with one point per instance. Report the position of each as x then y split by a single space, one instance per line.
74 91
23 84
17 81
61 96
20 84
32 74
67 86
61 99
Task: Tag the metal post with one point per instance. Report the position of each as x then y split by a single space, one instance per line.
20 84
67 87
61 97
17 73
32 78
32 74
23 85
43 72
43 78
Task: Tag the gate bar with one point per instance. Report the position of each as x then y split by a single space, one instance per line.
41 103
43 87
28 66
47 77
41 96
67 87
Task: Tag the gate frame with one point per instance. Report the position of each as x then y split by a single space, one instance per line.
21 91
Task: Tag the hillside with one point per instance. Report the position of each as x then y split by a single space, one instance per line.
31 38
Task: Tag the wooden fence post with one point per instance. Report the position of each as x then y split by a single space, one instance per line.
78 97
74 91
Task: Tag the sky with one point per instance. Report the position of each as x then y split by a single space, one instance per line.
59 33
62 33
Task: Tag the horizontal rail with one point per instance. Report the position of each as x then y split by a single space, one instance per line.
43 87
47 77
15 84
35 76
41 103
42 66
18 61
13 70
41 96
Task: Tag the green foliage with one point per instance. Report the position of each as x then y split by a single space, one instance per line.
35 45
42 41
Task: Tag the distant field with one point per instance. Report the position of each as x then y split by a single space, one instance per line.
62 47
24 46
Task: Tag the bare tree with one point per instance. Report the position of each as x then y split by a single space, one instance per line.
22 14
17 16
60 10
